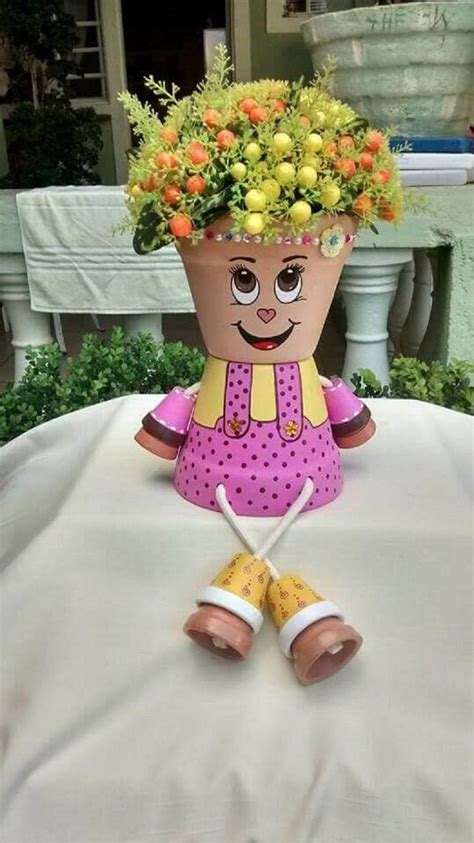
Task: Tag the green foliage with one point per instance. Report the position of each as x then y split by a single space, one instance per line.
102 370
42 36
448 386
49 142
52 145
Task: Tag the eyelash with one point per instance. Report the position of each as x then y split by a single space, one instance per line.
296 266
236 267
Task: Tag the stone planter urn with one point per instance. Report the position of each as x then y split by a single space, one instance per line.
410 66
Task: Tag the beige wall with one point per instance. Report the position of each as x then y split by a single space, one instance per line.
282 56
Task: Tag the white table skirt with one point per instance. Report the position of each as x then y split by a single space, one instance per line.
78 263
117 728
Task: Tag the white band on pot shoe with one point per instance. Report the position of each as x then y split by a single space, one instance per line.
310 614
233 603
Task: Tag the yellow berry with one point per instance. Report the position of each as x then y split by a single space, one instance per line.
271 189
136 191
320 118
284 173
238 171
252 152
255 200
281 143
330 194
307 177
311 161
313 142
300 212
254 223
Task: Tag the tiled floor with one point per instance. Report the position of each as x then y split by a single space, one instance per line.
184 327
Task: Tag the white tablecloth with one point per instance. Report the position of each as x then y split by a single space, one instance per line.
76 263
118 728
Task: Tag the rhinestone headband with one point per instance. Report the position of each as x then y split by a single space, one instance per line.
331 241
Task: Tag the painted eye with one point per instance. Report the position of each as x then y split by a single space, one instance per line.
244 285
288 283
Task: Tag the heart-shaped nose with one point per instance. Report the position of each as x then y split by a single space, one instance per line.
266 314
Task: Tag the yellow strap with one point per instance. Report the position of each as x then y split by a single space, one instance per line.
210 401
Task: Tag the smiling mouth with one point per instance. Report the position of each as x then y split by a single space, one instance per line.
265 343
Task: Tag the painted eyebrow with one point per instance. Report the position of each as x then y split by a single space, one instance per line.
292 257
242 258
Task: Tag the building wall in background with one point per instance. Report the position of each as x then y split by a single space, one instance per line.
281 56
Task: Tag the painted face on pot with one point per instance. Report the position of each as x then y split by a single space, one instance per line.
262 304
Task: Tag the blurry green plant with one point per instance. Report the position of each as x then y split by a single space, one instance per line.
102 370
448 386
49 142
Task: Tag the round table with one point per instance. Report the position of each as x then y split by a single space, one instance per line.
117 728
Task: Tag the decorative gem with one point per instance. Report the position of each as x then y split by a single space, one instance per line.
291 428
332 241
235 424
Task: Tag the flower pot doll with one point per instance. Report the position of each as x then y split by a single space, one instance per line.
262 187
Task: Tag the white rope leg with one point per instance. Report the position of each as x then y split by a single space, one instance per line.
287 519
283 524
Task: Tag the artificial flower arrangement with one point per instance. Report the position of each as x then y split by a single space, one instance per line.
268 153
262 187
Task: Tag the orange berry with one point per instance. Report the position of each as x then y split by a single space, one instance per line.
196 153
195 184
169 135
345 167
166 161
279 105
305 120
248 104
225 138
258 114
211 118
362 205
172 194
346 142
150 183
180 225
386 212
382 176
374 141
330 149
366 161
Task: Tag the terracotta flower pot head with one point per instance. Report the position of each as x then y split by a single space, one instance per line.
261 303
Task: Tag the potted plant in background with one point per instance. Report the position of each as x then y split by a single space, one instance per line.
262 187
48 142
404 64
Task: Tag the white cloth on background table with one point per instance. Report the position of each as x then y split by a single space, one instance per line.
76 263
118 728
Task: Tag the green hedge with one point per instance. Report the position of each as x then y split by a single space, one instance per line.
448 386
103 370
124 365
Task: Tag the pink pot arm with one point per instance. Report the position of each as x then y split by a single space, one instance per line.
351 420
165 428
